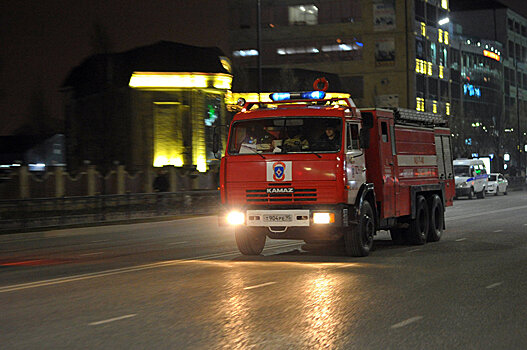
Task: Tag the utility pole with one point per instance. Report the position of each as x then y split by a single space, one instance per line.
259 46
520 165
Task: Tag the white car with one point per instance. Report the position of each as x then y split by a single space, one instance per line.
497 184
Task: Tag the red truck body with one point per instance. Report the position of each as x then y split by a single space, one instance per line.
382 173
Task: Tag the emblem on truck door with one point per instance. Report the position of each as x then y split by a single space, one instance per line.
279 171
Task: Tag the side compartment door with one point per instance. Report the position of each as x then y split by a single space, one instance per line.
386 154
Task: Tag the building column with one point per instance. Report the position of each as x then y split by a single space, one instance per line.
23 181
59 181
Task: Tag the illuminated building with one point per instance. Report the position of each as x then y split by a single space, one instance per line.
493 20
155 105
387 53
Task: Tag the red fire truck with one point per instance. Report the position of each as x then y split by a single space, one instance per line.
315 169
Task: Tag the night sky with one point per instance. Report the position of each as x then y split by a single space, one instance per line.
42 40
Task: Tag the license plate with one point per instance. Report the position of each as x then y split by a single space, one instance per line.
278 218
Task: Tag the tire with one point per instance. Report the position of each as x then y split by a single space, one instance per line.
418 232
250 241
481 195
358 239
505 193
497 191
471 193
437 215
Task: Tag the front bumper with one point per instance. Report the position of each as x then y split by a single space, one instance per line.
462 191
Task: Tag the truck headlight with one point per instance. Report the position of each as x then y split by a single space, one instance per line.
323 218
235 218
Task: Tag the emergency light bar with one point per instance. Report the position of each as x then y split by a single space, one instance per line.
423 117
308 95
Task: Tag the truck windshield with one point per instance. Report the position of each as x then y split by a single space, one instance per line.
286 135
462 170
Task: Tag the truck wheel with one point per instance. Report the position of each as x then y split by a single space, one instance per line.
471 193
358 239
250 241
437 214
418 232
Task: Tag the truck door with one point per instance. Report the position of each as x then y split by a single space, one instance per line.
387 155
355 164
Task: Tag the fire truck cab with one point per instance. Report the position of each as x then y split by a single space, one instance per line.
322 170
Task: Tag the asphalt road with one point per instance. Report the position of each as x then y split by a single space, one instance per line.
183 285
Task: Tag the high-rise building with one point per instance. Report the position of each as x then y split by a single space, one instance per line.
386 52
492 20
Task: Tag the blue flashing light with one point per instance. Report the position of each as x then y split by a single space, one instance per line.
280 96
313 95
310 95
359 44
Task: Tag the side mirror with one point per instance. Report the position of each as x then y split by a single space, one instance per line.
364 138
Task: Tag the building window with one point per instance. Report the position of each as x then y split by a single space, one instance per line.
444 4
440 35
446 38
420 104
423 29
303 15
447 108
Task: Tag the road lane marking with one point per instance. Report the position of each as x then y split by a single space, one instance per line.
88 254
494 285
498 231
100 241
178 243
406 322
259 285
461 239
468 216
60 280
111 320
413 250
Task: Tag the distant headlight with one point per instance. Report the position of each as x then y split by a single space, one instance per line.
235 218
323 218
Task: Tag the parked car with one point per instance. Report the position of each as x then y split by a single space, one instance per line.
471 178
497 184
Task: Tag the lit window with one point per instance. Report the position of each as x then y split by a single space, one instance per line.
446 38
423 29
447 108
444 4
434 106
420 104
440 35
429 64
417 60
441 69
303 15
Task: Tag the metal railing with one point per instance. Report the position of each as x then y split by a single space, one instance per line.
25 214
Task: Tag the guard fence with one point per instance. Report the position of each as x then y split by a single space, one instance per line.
29 214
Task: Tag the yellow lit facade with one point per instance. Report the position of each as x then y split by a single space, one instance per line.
157 80
423 29
185 106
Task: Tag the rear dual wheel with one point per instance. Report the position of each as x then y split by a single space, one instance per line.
419 227
437 214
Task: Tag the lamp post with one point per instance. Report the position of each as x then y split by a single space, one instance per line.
259 46
520 163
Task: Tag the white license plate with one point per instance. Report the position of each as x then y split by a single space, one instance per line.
278 218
